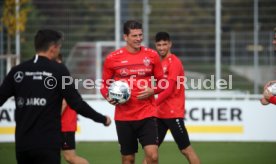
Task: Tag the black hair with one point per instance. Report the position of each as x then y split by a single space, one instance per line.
162 36
60 56
44 38
130 25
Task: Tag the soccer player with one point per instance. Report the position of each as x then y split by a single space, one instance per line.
38 92
171 101
68 129
267 96
134 119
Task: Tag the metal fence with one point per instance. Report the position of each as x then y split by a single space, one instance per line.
191 24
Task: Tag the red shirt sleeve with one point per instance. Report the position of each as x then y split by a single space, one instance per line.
173 72
159 88
158 74
272 100
107 74
174 69
68 120
166 93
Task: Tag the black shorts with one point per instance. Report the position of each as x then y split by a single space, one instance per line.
178 130
130 132
41 156
68 141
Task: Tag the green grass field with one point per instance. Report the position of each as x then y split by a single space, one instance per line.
209 152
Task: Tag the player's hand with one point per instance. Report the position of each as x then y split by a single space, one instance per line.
108 121
267 94
112 101
146 93
264 101
268 84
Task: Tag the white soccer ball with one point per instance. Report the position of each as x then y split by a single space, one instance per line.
272 88
119 91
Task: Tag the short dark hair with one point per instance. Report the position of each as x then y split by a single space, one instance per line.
60 56
162 36
44 38
130 25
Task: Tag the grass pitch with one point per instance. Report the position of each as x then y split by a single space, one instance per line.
209 153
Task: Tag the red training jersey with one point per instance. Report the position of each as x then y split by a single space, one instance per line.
174 105
137 70
272 100
68 120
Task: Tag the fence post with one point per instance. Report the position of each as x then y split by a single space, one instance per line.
233 48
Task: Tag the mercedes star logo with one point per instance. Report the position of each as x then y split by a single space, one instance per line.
18 76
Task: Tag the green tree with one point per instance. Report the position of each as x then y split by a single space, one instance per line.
11 22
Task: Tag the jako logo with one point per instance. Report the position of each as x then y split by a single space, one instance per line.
36 101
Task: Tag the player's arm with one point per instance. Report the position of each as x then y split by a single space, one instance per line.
264 101
272 100
158 75
147 92
107 78
269 83
268 97
63 105
6 88
167 92
75 101
173 73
